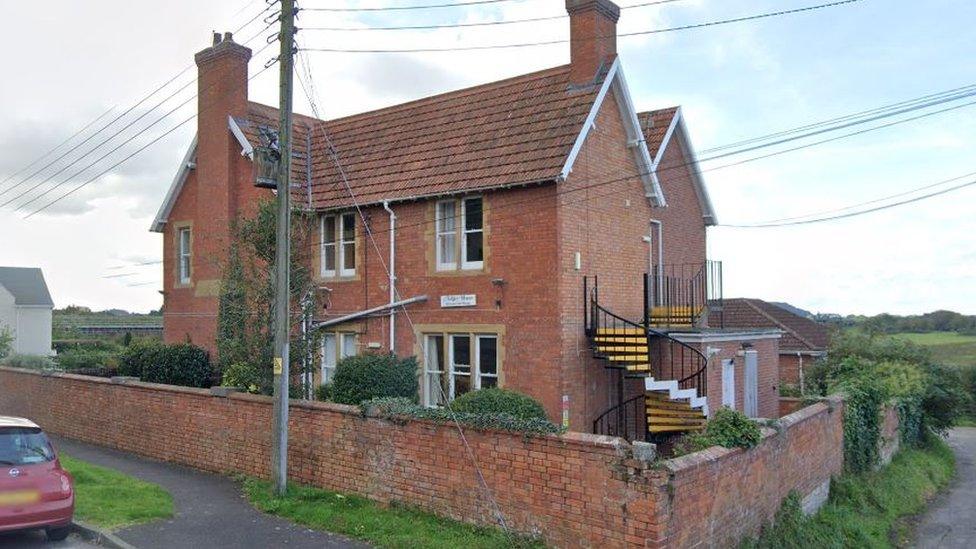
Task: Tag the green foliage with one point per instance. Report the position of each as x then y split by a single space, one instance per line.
790 390
323 392
729 428
399 407
945 398
81 358
394 526
499 401
181 364
864 509
111 500
865 395
245 313
6 340
362 377
29 362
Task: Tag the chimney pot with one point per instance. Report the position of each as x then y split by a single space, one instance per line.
216 38
593 37
228 37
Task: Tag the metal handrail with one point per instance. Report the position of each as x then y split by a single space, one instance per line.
626 420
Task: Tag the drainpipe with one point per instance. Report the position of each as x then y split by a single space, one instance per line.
660 259
386 206
799 358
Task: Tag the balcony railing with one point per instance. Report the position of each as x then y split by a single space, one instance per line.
679 295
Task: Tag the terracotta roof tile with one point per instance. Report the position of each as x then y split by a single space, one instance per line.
510 132
655 125
800 334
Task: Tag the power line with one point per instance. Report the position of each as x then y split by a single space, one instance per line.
564 41
853 214
468 25
137 151
113 121
117 267
407 8
109 153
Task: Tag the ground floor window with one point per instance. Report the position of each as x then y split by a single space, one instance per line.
335 347
457 363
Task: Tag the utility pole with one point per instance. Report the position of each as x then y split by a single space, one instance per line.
279 457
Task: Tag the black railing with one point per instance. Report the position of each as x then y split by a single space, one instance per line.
627 420
679 295
675 359
599 318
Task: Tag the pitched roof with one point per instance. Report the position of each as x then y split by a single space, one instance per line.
800 334
655 126
511 132
26 285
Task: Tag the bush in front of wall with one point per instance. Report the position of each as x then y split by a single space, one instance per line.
181 364
728 428
323 392
85 358
396 408
499 401
362 377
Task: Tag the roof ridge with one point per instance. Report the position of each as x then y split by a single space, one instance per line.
760 310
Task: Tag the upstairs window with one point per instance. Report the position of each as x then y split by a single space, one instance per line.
460 234
338 245
183 252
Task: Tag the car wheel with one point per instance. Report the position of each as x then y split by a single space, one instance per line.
57 534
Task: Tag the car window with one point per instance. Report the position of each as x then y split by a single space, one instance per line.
24 446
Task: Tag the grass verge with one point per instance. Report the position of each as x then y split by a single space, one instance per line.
865 510
966 421
109 499
394 526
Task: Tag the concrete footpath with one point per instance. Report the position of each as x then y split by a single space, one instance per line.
950 521
210 510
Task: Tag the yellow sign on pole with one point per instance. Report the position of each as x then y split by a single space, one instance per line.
277 366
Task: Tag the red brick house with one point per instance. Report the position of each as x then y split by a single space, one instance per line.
518 218
803 342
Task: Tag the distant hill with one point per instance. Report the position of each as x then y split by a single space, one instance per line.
936 321
793 309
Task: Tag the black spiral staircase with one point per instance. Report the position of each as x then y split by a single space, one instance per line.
673 399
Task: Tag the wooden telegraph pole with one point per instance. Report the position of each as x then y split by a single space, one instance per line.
279 457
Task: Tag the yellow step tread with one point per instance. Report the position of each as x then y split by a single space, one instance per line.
622 349
672 428
627 358
638 368
675 422
668 404
662 412
620 331
621 339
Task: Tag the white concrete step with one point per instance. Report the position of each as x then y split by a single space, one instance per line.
674 393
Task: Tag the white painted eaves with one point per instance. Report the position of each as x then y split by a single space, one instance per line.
678 130
615 81
174 188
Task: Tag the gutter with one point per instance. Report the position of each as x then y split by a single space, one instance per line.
393 218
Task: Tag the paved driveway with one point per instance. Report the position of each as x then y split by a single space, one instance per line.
209 509
951 520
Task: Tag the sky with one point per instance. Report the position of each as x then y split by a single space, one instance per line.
77 60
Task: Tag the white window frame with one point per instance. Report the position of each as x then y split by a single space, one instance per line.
336 248
440 234
341 237
184 269
338 352
475 374
464 232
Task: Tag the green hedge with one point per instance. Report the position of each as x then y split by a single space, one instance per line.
83 358
182 364
393 408
499 401
362 377
728 428
29 362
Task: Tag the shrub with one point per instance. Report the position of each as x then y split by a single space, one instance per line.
728 428
79 358
249 377
182 364
323 392
362 377
399 407
499 401
30 362
6 341
866 395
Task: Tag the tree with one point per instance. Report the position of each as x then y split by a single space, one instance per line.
245 314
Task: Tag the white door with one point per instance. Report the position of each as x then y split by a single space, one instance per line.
728 383
751 399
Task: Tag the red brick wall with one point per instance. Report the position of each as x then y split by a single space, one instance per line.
575 490
768 374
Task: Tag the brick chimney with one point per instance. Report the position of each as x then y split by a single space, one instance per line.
593 37
221 92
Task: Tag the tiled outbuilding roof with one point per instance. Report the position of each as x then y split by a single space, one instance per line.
800 333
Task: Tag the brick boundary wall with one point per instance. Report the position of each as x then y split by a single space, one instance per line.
573 490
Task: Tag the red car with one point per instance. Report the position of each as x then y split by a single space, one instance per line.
35 492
